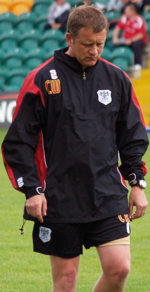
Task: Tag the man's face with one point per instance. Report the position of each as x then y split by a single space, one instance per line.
87 47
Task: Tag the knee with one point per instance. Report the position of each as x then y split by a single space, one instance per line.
123 271
68 280
119 273
64 273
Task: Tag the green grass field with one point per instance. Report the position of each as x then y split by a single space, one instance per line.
22 270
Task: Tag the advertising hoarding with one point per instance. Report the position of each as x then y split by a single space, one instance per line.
7 105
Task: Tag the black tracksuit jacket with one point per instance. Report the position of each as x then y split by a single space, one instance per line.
68 128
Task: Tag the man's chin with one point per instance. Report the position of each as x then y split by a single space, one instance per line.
91 63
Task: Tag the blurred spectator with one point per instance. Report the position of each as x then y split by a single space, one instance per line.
134 31
140 5
58 15
117 5
97 4
147 5
147 2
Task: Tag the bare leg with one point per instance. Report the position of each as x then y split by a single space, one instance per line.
64 273
115 261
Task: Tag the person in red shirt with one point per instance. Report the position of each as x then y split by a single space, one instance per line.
134 31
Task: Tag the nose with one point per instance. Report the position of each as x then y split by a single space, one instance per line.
93 50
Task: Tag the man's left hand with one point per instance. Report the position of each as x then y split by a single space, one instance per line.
137 199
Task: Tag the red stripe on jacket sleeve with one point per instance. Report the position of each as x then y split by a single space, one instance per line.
144 168
40 160
136 103
10 172
30 86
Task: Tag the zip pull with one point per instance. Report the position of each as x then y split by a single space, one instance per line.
21 229
84 76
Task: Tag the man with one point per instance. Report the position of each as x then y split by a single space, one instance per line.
73 114
58 15
116 5
120 4
134 31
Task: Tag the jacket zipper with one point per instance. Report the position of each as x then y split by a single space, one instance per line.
84 97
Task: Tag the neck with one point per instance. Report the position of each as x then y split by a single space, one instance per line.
69 52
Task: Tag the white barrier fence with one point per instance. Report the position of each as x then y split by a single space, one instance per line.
7 105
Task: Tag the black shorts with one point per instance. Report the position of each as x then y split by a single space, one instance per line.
66 240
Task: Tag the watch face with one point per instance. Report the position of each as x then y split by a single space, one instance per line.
142 184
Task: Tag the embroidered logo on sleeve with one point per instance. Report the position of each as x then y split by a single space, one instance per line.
45 234
20 182
104 96
53 74
53 86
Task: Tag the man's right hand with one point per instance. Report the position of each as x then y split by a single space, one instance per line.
37 207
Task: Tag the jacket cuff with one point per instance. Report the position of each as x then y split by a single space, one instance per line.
135 177
34 192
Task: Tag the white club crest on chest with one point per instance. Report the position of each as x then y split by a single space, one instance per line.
104 96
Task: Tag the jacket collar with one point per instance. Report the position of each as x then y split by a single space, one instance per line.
71 61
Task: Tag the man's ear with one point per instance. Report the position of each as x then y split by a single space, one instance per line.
69 39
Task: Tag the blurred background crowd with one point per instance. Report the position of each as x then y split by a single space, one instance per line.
30 31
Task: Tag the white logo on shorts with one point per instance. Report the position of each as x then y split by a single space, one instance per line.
45 234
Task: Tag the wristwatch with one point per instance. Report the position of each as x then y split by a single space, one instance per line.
133 181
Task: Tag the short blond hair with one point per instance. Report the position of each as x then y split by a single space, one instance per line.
87 16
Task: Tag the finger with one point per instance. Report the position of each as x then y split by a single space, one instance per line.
144 211
44 207
134 216
38 213
30 211
40 218
138 213
130 209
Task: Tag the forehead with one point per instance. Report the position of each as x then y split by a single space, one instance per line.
129 8
86 35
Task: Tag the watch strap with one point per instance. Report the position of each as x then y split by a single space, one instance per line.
134 181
